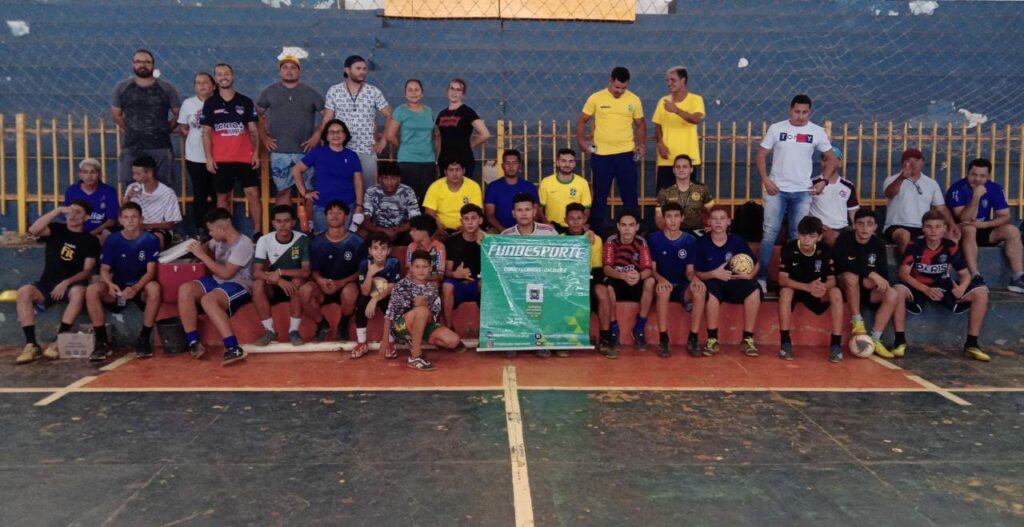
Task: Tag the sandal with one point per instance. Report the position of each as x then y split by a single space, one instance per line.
392 353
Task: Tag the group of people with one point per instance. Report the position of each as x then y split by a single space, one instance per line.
429 202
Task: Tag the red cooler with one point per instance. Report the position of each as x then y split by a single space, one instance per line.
171 275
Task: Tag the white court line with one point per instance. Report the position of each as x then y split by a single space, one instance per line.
885 363
65 390
517 447
988 389
941 391
716 389
118 363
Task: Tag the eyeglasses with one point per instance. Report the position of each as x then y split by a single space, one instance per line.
329 132
918 187
453 88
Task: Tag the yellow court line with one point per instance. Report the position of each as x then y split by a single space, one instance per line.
178 389
33 389
118 363
522 500
66 390
940 391
717 389
885 363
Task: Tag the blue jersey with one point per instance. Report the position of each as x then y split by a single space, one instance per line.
672 256
336 260
711 256
961 193
333 174
500 194
103 202
128 258
392 270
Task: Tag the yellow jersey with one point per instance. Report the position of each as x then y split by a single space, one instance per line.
678 134
448 204
613 120
555 195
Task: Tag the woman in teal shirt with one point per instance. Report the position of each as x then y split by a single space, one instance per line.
411 129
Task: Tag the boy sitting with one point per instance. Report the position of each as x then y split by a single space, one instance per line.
576 222
421 230
807 276
334 257
379 265
674 252
629 276
462 264
281 268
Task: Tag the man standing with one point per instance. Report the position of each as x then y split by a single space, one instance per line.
909 195
289 130
147 109
357 103
390 205
675 125
788 188
615 148
980 205
230 155
159 203
498 197
563 187
100 196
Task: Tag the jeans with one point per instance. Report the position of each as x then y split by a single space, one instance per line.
620 167
797 205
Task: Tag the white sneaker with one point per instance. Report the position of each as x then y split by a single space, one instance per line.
1016 286
764 285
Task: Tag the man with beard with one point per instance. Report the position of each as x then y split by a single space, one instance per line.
230 155
146 108
357 103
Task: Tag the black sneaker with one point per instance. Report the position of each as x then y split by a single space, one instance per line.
322 331
835 353
143 348
977 280
343 332
639 337
196 349
233 355
511 354
693 348
609 349
101 352
461 348
663 348
786 351
543 353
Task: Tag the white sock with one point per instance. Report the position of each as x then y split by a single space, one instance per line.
361 335
269 324
857 318
391 338
293 323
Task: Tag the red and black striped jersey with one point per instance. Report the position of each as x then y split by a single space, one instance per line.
937 267
625 257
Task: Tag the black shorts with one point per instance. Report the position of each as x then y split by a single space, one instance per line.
46 288
228 173
865 299
164 235
917 299
678 293
596 279
915 233
817 306
625 292
277 295
731 291
984 237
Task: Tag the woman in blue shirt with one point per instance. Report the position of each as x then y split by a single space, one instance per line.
337 174
411 129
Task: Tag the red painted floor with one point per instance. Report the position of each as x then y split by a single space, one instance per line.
634 369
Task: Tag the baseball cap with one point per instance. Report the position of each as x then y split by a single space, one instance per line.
911 153
288 58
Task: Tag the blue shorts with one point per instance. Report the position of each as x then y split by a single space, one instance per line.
237 294
464 291
731 291
281 171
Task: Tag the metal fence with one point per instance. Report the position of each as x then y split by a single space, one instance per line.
39 158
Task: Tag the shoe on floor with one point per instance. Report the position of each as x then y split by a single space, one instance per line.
143 348
234 354
881 350
786 351
267 338
420 363
196 349
295 338
835 353
100 352
28 354
974 352
748 347
1016 286
693 348
857 327
711 347
543 353
52 352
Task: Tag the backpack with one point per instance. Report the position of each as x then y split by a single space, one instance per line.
748 221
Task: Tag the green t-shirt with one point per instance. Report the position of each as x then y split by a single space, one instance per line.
288 255
415 135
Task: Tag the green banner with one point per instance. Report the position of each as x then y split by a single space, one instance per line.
534 292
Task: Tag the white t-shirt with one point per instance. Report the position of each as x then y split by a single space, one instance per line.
157 207
913 200
834 204
539 229
359 112
189 114
792 153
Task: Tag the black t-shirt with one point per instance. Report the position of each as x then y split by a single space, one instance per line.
66 252
461 251
807 268
146 113
456 127
861 259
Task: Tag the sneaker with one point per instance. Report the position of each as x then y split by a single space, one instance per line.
614 330
342 332
881 351
100 352
295 338
663 348
835 353
543 353
30 353
267 338
763 282
143 348
1016 286
609 349
360 350
748 347
857 327
322 332
560 353
461 348
640 339
977 280
693 348
420 363
234 354
52 352
900 351
711 347
510 354
974 352
785 351
196 349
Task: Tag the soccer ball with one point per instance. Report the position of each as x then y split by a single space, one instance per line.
741 264
862 345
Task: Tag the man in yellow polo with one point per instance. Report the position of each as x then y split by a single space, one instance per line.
676 118
562 188
446 196
615 150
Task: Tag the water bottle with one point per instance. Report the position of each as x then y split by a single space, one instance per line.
303 218
121 301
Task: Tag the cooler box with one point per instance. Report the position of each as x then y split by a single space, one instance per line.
172 274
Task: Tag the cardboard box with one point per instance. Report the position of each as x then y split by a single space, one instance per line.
78 343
